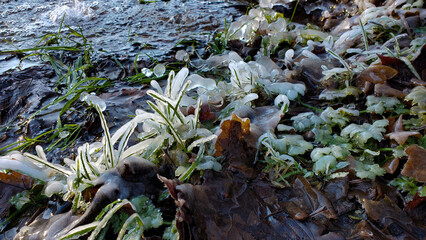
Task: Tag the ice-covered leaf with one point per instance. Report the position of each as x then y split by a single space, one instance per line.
242 76
364 170
360 134
287 144
291 90
335 94
159 70
92 99
324 164
305 121
380 104
418 98
150 215
337 152
338 116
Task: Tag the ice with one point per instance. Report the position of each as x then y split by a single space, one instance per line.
92 99
147 72
182 55
159 70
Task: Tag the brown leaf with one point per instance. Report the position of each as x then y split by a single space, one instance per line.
416 209
416 165
386 90
232 143
226 206
402 79
11 184
399 134
391 166
378 74
394 221
401 137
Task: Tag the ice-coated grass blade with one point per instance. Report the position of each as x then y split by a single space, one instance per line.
108 147
133 217
106 215
80 231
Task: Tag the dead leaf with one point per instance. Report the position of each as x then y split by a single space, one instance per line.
416 209
402 79
391 166
378 74
393 220
388 91
416 165
399 134
11 184
232 144
227 206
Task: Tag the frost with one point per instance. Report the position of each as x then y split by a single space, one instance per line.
380 104
360 134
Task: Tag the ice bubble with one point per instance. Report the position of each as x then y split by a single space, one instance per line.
54 187
159 70
147 72
64 134
182 55
92 99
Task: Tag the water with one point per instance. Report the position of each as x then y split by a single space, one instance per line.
116 26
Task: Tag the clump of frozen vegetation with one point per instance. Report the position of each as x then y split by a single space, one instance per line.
326 141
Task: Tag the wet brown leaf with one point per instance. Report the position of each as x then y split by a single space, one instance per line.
378 74
368 231
416 209
416 165
226 206
394 221
11 184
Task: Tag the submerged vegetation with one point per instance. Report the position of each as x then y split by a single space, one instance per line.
315 127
